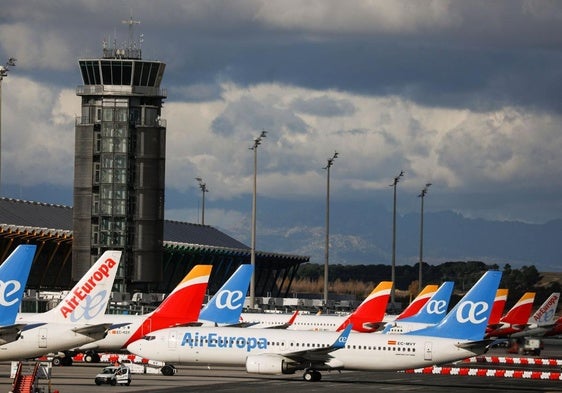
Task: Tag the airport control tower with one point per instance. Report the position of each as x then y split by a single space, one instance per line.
120 151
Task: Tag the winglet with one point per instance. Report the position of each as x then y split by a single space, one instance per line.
90 296
225 307
469 318
342 338
14 273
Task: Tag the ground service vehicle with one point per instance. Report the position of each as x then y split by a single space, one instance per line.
525 346
114 375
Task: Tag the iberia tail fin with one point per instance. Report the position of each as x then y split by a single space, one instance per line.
519 314
181 306
90 296
370 313
498 307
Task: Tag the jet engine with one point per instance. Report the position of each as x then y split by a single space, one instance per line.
269 364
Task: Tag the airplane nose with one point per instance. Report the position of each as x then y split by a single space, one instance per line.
134 347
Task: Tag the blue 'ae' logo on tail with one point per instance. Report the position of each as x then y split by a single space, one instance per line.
14 272
436 307
226 305
469 318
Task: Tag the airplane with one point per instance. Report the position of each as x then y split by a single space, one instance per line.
515 319
181 307
367 317
430 314
14 273
271 351
74 321
542 322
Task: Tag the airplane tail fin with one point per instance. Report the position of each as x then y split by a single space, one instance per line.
545 314
90 296
436 308
181 306
423 297
519 314
370 313
14 273
498 307
469 318
226 305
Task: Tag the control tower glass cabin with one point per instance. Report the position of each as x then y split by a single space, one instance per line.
119 167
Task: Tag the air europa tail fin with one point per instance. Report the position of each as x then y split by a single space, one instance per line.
370 313
545 313
182 305
226 305
14 273
418 302
469 318
90 296
436 308
498 307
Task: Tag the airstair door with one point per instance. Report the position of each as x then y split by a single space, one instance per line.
42 338
427 352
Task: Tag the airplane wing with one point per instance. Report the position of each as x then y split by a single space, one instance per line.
99 330
10 333
319 355
478 344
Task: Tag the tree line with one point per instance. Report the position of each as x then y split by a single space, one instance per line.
359 280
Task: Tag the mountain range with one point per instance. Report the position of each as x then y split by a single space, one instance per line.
365 237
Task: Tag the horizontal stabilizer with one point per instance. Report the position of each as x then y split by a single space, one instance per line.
93 330
470 345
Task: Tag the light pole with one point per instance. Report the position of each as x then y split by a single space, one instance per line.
204 189
393 269
326 251
3 73
254 147
421 196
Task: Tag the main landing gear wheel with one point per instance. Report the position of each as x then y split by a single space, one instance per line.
312 376
168 370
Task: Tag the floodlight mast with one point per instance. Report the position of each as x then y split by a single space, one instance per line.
204 189
421 196
254 147
327 240
393 269
4 73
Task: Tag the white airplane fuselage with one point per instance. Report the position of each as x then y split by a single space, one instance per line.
328 323
262 350
47 338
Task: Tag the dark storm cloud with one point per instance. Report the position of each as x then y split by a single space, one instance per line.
431 75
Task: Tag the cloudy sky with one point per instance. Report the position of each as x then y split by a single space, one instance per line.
463 94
